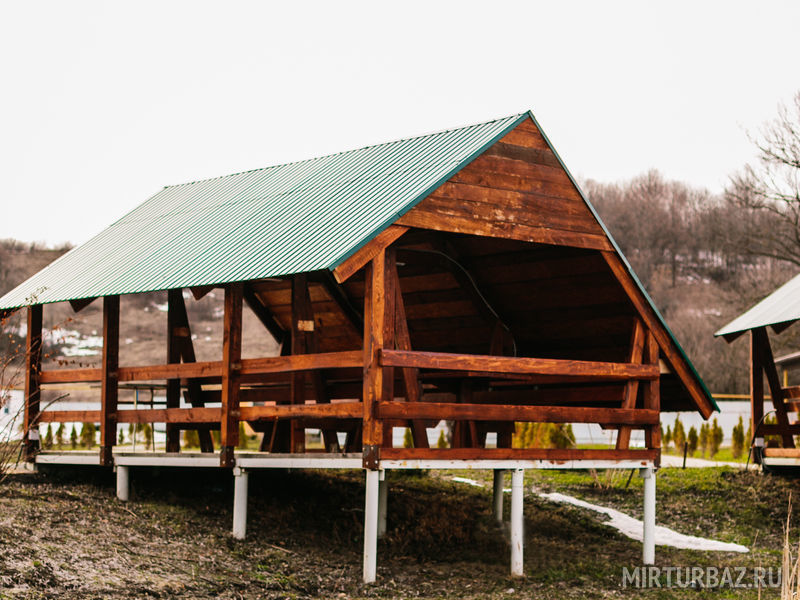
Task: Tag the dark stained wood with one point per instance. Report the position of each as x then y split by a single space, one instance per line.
632 387
504 364
32 391
70 416
70 376
109 382
776 391
302 362
411 382
511 412
652 393
174 355
554 454
379 314
172 371
537 156
672 353
231 367
347 410
263 314
200 291
756 388
80 304
339 296
423 218
194 392
368 252
302 319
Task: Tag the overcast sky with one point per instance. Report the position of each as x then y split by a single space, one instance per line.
104 103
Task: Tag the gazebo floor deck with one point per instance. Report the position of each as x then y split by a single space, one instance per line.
320 460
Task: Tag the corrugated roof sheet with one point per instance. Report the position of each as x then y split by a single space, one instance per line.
781 306
290 218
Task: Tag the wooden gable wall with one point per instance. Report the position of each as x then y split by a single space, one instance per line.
517 189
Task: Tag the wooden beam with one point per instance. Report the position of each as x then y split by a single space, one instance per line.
638 337
521 366
174 354
342 410
231 367
420 218
379 315
513 412
81 303
109 382
200 291
651 396
194 390
368 252
411 381
302 330
340 297
33 366
262 312
776 390
249 366
554 454
756 390
672 353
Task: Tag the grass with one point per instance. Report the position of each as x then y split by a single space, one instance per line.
65 535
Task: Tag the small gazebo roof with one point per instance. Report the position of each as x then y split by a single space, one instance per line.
778 310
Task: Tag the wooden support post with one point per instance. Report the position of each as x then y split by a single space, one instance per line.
652 394
410 375
109 383
776 391
756 395
33 366
638 337
194 390
231 367
174 342
379 312
302 331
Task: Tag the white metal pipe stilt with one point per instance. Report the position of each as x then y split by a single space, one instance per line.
371 526
497 495
123 483
239 503
649 519
383 497
517 534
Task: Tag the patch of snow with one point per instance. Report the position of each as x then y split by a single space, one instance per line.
630 527
194 336
633 528
162 307
128 341
468 481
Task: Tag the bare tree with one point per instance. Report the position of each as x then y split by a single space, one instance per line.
767 191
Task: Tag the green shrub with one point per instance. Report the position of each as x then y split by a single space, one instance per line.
691 441
737 439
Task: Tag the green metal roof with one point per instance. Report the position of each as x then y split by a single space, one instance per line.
290 218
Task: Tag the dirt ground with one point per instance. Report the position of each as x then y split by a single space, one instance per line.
64 535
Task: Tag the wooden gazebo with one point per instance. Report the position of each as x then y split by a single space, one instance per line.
778 311
457 276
